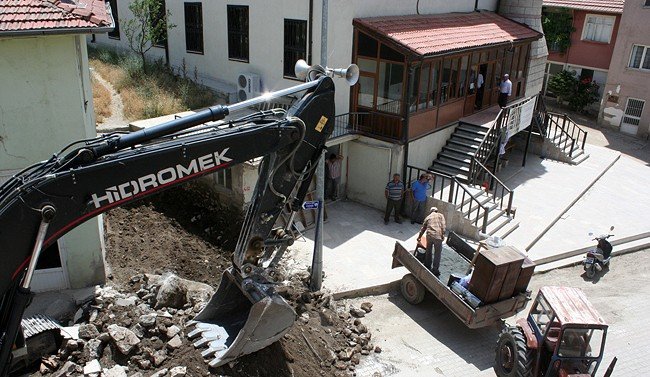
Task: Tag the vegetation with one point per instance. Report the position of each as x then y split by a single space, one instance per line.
151 93
579 93
148 27
558 27
101 101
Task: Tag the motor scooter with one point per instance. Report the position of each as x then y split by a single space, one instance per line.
598 259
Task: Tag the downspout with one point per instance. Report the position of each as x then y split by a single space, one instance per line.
476 6
405 126
309 31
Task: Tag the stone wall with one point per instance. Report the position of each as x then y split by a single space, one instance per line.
529 12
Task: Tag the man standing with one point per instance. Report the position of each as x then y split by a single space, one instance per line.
505 90
394 193
419 193
434 226
479 91
333 176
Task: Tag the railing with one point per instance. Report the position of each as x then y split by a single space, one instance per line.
493 185
372 124
457 195
485 149
568 133
540 118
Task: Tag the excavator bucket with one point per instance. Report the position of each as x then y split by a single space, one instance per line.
239 319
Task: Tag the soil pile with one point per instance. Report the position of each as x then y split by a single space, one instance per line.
136 325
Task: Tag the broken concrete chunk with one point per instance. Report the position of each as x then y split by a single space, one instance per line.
356 312
92 367
175 342
116 371
160 373
159 357
88 331
377 349
366 307
172 331
125 339
147 320
178 371
172 293
124 302
92 349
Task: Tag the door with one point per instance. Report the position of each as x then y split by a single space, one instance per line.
49 274
369 169
632 117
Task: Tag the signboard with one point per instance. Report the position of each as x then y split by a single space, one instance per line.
520 116
310 204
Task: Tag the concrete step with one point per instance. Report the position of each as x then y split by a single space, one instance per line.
470 138
503 227
496 214
473 128
458 142
451 166
458 149
577 160
456 154
448 171
465 161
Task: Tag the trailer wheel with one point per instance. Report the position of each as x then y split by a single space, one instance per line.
591 271
412 290
513 358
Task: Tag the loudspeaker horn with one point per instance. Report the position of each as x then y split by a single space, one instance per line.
351 73
301 69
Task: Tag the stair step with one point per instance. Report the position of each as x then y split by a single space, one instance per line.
462 143
448 171
453 165
577 160
459 149
469 133
471 139
494 215
466 160
473 128
504 229
456 154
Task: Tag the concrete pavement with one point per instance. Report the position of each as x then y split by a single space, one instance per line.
427 340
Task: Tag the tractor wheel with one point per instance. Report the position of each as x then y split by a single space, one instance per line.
591 271
412 290
513 358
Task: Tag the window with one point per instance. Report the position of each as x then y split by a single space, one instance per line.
295 44
433 84
391 80
238 32
647 3
640 57
598 28
423 86
115 33
224 178
193 27
159 14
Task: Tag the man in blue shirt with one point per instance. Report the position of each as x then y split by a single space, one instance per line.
394 193
419 193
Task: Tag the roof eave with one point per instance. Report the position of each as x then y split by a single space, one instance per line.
584 9
57 31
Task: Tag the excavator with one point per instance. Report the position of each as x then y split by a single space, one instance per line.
44 201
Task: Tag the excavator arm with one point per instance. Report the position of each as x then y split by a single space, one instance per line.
46 200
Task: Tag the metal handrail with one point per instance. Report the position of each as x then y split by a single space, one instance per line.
497 186
487 145
458 195
574 134
352 122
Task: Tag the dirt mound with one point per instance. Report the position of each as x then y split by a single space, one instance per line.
186 232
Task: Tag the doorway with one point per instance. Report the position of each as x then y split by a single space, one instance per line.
50 274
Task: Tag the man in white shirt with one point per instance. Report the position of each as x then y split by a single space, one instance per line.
505 90
479 91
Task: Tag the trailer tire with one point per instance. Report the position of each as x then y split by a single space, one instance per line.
591 271
513 358
412 290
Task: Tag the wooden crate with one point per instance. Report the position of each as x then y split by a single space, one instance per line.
493 268
525 274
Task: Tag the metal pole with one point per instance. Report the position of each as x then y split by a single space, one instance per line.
530 134
317 262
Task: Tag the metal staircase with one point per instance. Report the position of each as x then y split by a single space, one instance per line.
456 157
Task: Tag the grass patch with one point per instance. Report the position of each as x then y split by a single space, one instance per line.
155 93
101 101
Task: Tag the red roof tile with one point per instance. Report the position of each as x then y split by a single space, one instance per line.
606 6
45 15
440 33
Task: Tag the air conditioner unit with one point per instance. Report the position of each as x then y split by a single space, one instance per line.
248 86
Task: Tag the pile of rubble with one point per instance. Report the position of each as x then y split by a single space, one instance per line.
142 333
134 334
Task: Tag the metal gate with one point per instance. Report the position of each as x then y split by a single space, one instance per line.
632 117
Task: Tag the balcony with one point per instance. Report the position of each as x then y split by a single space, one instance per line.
377 125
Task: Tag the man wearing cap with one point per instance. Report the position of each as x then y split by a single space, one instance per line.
505 90
434 225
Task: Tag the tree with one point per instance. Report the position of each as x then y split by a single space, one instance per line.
557 26
579 93
148 26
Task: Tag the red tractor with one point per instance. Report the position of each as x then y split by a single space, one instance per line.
563 335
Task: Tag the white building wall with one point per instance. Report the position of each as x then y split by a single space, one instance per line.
424 150
45 104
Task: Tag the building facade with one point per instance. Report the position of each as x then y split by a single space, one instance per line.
626 94
591 43
45 104
407 101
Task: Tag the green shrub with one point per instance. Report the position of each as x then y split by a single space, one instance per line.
579 93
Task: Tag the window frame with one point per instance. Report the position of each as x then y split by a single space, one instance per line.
297 51
584 28
162 15
223 178
199 27
242 34
116 20
646 50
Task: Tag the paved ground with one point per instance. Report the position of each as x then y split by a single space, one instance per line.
426 340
